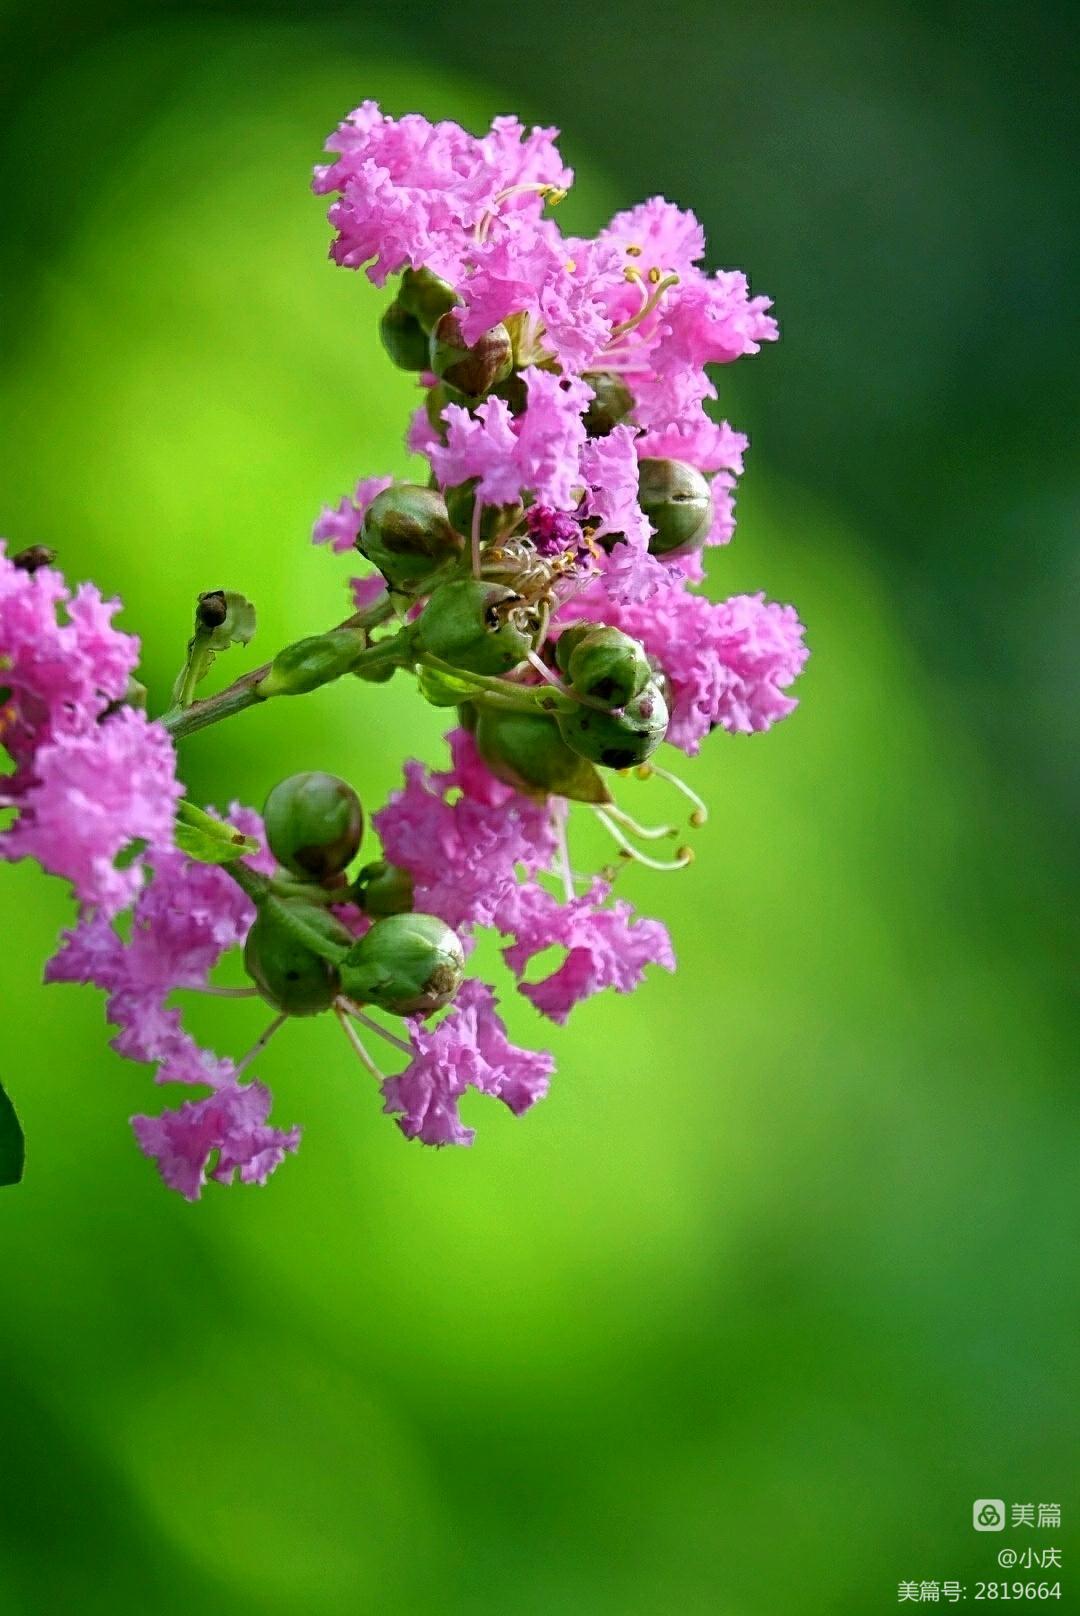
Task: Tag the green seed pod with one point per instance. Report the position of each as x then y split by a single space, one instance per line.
408 964
315 661
525 750
612 402
404 338
314 823
607 665
289 975
383 889
495 520
407 534
678 502
423 295
435 401
472 369
618 740
465 623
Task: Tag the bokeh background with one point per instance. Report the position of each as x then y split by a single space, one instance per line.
782 1275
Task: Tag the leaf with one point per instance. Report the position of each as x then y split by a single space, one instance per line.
12 1142
210 840
239 625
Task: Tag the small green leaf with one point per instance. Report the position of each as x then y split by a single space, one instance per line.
210 840
238 627
12 1142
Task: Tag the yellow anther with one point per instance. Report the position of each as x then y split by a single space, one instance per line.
654 275
634 252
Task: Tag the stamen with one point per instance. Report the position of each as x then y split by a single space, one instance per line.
684 856
551 194
354 1038
259 1045
647 833
634 252
373 1026
700 814
660 285
560 813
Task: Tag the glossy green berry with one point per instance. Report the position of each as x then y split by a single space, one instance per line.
404 338
408 964
290 974
678 502
611 403
425 296
472 369
526 751
467 623
383 889
407 534
621 739
314 823
606 665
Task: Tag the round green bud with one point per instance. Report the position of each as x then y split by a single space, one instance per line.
607 665
290 975
611 403
618 740
425 296
407 534
568 641
526 751
408 964
471 369
678 502
495 520
383 889
404 338
466 623
435 401
314 823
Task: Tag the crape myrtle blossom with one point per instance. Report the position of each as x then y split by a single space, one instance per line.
540 578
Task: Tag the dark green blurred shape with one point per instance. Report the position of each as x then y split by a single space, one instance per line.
780 1277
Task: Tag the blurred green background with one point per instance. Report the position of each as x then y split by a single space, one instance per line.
782 1275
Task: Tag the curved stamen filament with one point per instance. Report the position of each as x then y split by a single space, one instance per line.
647 833
259 1045
684 856
700 814
355 1011
222 993
651 299
551 194
354 1038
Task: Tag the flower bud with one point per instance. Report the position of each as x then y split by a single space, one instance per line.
475 369
495 520
525 750
425 296
407 534
618 740
678 502
314 823
466 623
383 889
404 338
612 402
607 665
408 964
290 975
309 663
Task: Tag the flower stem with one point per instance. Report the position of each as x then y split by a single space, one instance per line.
244 692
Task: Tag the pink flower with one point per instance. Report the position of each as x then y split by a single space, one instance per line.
232 1122
539 452
728 664
339 525
606 946
713 320
483 446
61 675
468 1049
463 854
92 796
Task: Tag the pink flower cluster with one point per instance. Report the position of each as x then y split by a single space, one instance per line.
92 780
632 304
